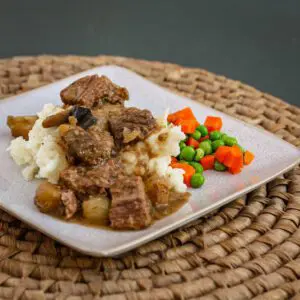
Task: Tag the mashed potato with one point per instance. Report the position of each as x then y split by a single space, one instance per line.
154 155
40 156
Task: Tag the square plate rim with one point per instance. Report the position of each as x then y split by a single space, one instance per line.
169 227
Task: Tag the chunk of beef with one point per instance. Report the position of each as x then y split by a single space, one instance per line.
105 112
132 125
90 147
130 207
70 203
91 180
93 91
158 191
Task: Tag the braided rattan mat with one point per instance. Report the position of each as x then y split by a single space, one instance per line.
248 249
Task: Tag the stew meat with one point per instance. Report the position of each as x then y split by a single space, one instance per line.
93 91
91 180
93 132
70 203
130 206
132 125
88 147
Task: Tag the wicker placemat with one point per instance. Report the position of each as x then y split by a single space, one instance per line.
248 249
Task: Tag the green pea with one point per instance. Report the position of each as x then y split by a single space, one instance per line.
209 141
197 180
223 136
219 167
242 149
215 135
182 145
188 153
199 154
197 167
230 141
183 162
216 144
196 135
203 130
206 147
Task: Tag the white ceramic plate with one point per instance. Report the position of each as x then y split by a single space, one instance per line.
273 157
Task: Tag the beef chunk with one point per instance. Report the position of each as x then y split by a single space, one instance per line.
105 112
91 180
93 91
158 191
130 207
132 125
70 203
90 147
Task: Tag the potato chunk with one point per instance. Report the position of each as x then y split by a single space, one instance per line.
48 197
96 209
20 126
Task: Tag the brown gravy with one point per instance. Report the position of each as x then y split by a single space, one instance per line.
177 200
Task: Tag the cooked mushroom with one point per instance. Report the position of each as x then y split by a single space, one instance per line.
57 119
83 115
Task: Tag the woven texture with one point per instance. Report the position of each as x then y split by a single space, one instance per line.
248 249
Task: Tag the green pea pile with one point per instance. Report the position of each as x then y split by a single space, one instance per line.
192 156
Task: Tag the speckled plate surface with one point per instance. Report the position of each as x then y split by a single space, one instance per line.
273 157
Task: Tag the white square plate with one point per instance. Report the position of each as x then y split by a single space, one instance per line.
273 157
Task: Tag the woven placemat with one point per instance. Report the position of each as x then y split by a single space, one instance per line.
248 249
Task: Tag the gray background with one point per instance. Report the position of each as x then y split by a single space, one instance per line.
255 41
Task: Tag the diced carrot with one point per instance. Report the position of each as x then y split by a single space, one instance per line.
192 142
173 160
187 126
189 171
235 170
207 162
184 114
222 152
248 157
171 118
204 138
213 123
233 158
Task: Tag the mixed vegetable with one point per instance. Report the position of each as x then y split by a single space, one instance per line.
206 148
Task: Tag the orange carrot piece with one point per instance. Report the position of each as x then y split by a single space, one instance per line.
192 142
189 171
222 152
187 126
184 114
234 158
235 170
207 162
248 157
171 118
213 123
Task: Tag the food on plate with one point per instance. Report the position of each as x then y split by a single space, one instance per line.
205 147
107 164
102 163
